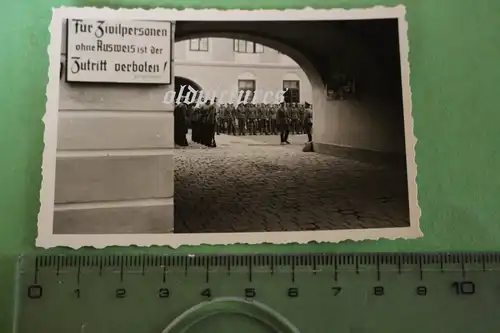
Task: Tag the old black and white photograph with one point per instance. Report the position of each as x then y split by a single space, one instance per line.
207 127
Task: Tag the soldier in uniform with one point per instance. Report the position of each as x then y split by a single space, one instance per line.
229 119
272 111
211 124
247 119
222 119
195 123
264 119
283 123
258 118
252 119
307 121
269 113
241 113
294 118
302 114
219 109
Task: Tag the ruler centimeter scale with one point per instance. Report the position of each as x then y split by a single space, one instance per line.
317 293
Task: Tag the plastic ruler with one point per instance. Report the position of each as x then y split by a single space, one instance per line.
310 293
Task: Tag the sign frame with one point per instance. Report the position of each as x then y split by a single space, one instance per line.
171 25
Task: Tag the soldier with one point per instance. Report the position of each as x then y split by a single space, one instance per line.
219 126
241 113
283 123
212 124
258 118
252 119
274 128
222 118
195 123
229 119
247 119
302 114
294 118
264 119
307 122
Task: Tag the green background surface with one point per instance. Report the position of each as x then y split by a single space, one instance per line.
455 81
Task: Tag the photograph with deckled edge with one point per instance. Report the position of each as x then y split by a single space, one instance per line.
192 127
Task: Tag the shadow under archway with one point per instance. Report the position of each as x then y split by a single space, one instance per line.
245 184
184 86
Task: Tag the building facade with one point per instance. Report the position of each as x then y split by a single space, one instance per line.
217 65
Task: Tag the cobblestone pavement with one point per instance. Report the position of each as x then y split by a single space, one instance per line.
246 185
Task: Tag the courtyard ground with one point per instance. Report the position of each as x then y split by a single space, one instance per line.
251 184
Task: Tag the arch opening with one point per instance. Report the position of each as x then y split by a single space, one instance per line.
303 62
236 68
185 87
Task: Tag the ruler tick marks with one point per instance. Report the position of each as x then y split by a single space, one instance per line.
207 272
79 270
378 269
121 270
250 270
38 277
335 271
37 265
58 265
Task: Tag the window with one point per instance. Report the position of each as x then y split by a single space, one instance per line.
292 95
242 46
198 44
248 88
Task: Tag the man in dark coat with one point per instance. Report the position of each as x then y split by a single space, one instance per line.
204 128
180 124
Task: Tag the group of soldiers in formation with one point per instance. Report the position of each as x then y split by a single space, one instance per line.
209 119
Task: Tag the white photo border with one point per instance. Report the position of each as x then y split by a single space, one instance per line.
46 238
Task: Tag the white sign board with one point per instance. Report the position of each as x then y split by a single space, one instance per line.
119 51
